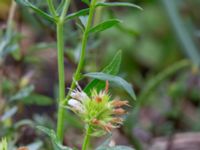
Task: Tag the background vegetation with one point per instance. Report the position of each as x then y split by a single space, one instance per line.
161 56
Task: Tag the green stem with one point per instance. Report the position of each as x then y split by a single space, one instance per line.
61 75
86 138
51 8
65 8
83 48
98 14
10 19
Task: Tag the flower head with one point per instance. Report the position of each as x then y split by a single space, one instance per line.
98 110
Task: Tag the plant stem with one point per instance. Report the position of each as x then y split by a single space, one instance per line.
10 19
86 138
51 8
83 48
98 14
61 75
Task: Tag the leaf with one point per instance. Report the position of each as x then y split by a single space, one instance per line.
105 146
116 148
104 25
86 1
9 43
22 93
112 68
26 3
35 146
73 120
38 99
41 46
8 114
51 133
83 20
117 4
48 132
82 12
117 80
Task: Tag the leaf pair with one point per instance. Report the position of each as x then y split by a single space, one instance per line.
106 24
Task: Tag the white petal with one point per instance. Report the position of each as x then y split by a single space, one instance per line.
79 95
75 104
84 95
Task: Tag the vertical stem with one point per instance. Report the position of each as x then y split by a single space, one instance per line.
60 46
10 18
51 8
61 75
98 14
83 48
86 138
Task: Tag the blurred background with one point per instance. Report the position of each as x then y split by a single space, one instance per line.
161 57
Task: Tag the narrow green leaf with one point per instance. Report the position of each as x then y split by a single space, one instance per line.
105 146
117 4
112 68
116 148
86 1
117 80
35 9
104 25
35 146
51 133
119 148
8 113
22 93
82 12
37 99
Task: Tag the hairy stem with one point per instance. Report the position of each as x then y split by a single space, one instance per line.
86 138
83 48
61 75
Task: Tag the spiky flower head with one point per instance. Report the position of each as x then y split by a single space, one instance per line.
98 110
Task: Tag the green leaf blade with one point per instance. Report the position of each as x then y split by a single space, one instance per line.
26 3
118 4
22 93
104 25
51 133
82 12
86 1
115 79
112 68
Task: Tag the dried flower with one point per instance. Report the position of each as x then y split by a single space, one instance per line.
119 103
98 110
119 111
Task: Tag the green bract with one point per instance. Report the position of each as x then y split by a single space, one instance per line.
3 144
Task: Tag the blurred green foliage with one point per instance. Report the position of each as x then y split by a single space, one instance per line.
151 41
